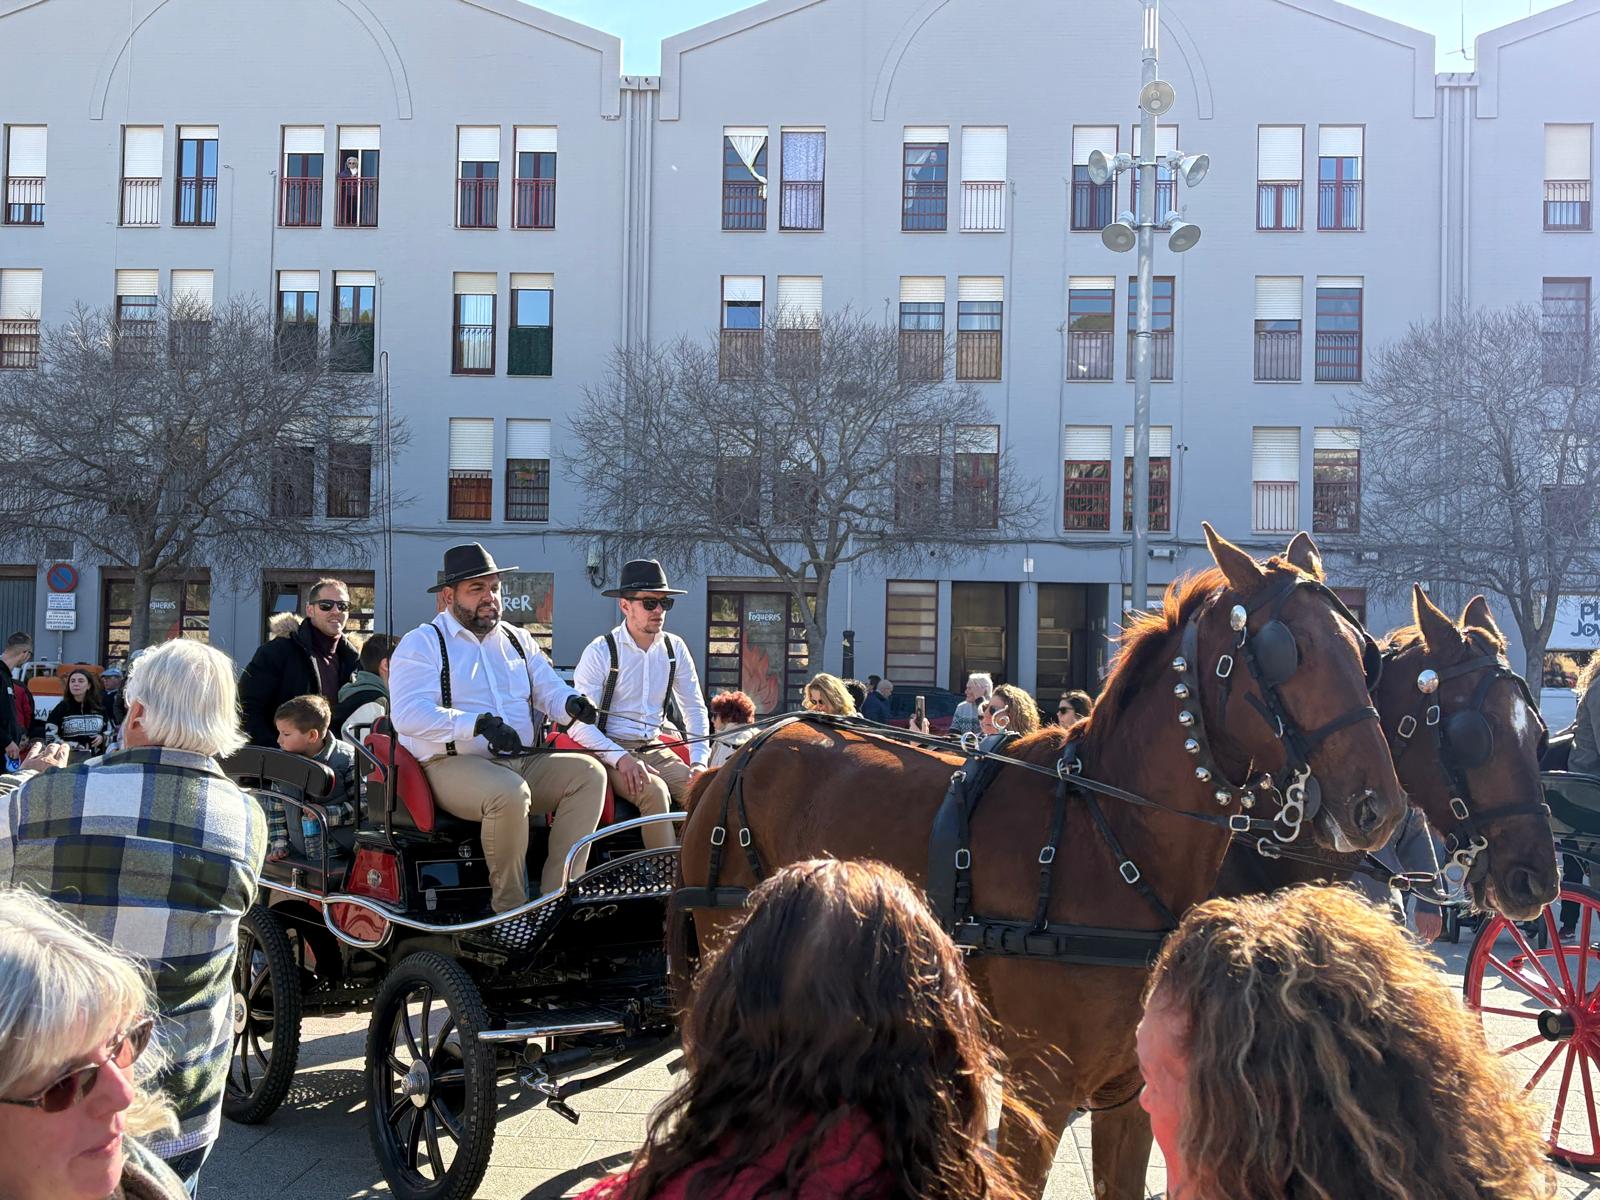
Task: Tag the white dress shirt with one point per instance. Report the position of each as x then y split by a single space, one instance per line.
636 705
486 676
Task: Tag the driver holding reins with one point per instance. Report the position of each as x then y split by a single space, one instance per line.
464 688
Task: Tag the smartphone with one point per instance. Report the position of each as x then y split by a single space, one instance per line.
922 708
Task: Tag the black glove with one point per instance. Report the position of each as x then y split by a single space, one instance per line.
501 737
581 708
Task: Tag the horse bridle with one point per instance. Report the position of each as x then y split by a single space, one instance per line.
1272 657
1463 741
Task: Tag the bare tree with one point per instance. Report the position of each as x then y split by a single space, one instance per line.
178 437
795 450
1478 460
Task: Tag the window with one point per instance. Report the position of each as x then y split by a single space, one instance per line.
980 311
472 338
1093 204
1338 329
142 149
736 477
478 179
1339 153
1336 481
976 487
350 469
297 318
353 335
527 470
21 301
358 177
25 163
1090 302
189 324
983 178
743 298
1565 489
756 642
804 163
911 632
1160 478
917 476
1166 184
1086 479
1275 470
294 481
197 175
925 178
1564 326
178 608
137 304
302 175
1161 315
534 206
1566 177
922 327
1278 316
799 326
744 177
532 346
471 469
1280 157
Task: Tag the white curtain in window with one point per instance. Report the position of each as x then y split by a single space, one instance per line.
747 143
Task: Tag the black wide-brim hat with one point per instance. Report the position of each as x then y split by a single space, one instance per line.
470 561
643 575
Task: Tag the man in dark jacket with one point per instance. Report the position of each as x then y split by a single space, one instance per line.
315 660
13 734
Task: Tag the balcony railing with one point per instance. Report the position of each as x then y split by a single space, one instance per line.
744 204
740 356
925 206
1339 204
477 203
474 350
534 205
1565 359
983 206
1093 204
1336 506
528 489
1160 354
1338 356
531 350
921 354
187 342
302 202
134 344
351 347
1087 501
1277 506
978 354
799 353
295 346
19 345
1566 204
25 200
1278 355
1089 354
358 203
141 201
802 204
1278 204
197 201
471 495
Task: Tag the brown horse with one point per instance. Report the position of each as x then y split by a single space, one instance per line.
1067 1030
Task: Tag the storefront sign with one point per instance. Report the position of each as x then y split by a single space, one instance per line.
1577 625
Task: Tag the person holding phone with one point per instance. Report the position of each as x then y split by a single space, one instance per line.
919 717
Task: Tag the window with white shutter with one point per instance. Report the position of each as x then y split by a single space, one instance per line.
302 175
196 176
299 303
21 302
471 479
1336 480
743 316
192 291
1280 153
473 334
800 301
1093 204
527 470
1340 149
1086 478
1567 183
1275 470
1091 301
534 203
980 312
356 177
1339 315
983 178
922 327
925 178
478 182
1280 303
532 343
25 172
142 147
138 303
1279 297
1160 478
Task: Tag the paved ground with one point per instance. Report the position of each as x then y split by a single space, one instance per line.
316 1148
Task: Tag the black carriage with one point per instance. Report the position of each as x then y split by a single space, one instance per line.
562 994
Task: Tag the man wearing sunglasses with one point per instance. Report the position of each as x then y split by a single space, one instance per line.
315 660
637 669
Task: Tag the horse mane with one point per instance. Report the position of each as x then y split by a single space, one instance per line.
1478 640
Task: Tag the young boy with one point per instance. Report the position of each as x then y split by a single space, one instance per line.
303 729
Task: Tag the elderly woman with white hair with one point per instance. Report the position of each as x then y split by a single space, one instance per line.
75 1049
155 849
980 686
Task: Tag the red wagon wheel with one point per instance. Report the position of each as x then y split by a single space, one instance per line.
1541 1014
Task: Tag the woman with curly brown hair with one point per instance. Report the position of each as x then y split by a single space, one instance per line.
1299 1047
836 1051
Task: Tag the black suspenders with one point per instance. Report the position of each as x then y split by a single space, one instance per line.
444 672
616 669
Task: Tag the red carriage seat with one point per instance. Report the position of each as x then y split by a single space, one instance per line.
411 784
608 814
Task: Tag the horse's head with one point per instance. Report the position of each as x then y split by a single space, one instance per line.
1466 739
1283 669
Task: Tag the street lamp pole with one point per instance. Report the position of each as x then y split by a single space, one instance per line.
1146 219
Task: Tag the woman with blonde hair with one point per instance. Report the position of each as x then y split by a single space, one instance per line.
827 694
1008 709
75 1022
1300 1047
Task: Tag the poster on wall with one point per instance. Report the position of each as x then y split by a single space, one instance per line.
527 598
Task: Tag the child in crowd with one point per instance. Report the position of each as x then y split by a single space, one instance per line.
366 697
303 729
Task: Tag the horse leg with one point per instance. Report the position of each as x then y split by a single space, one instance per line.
1035 1083
1120 1134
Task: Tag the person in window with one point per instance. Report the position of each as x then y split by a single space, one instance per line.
980 685
350 190
1008 710
80 716
827 694
731 714
1586 737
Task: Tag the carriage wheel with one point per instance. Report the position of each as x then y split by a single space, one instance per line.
266 1019
430 1081
1541 1014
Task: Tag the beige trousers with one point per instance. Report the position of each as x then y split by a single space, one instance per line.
669 784
501 793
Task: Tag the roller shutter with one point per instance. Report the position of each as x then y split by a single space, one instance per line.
1091 283
1088 138
983 153
21 294
193 287
303 139
1566 151
800 300
1087 443
478 143
1280 152
475 283
743 287
471 443
923 135
922 289
197 133
1275 455
25 151
527 439
536 139
1339 141
1330 438
1166 139
141 151
1279 297
532 281
981 287
138 283
299 281
1160 441
1338 281
355 279
358 137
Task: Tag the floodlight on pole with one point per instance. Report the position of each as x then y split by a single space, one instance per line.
1120 235
1157 97
1191 168
1181 235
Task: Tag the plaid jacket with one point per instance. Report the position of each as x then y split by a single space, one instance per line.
159 853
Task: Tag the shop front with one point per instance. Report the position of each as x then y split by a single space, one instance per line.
178 608
755 643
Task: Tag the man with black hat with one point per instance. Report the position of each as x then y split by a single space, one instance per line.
463 688
636 669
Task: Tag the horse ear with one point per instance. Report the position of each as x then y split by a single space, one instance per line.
1240 570
1303 553
1439 632
1477 614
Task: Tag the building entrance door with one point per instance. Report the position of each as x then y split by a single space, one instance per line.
982 616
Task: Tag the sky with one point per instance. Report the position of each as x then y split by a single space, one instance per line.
642 24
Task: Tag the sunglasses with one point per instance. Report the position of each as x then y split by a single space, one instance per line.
664 604
77 1083
1061 712
330 605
